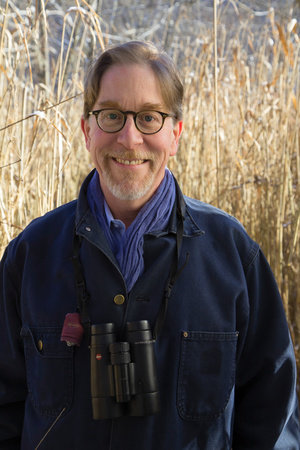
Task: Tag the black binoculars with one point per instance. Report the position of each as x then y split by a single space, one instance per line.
123 374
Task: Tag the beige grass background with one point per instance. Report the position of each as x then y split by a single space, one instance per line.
256 176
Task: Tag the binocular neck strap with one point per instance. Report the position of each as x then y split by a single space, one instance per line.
175 271
81 290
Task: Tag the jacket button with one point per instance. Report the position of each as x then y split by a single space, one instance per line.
119 299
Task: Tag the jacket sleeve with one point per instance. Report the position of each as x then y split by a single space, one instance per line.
13 389
266 413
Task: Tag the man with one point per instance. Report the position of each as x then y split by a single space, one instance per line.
85 288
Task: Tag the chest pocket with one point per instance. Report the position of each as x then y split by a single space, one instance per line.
206 374
49 369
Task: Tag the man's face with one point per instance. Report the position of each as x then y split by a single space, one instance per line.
131 165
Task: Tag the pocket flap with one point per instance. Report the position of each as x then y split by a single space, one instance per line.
46 341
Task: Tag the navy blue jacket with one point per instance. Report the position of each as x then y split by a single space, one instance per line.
225 361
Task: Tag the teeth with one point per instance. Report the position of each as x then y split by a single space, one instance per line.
130 163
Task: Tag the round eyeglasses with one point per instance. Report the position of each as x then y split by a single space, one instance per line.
113 120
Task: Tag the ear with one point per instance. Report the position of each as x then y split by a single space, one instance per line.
85 127
177 130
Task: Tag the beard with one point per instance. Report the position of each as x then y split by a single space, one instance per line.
132 186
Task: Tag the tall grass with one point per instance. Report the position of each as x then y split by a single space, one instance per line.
42 154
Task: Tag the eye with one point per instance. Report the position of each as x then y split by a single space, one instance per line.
110 120
111 115
149 117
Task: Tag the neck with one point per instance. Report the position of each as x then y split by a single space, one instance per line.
125 214
125 210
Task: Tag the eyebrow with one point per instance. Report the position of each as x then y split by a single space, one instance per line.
145 106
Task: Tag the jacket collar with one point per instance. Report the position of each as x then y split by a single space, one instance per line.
180 209
82 203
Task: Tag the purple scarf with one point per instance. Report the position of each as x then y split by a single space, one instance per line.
127 244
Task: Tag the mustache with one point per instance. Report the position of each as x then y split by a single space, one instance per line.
129 155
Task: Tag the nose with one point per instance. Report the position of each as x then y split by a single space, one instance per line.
129 136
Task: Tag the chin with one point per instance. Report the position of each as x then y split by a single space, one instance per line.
129 191
128 194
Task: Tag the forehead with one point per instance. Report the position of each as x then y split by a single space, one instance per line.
130 86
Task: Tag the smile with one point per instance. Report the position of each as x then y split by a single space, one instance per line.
127 162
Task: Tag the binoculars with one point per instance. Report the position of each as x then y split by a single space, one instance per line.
123 374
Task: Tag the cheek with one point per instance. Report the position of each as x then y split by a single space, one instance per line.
99 140
166 146
96 135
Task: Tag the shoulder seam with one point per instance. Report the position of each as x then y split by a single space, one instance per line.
252 256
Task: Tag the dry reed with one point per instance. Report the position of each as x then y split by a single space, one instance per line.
43 159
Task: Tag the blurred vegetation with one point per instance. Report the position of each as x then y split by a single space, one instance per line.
45 47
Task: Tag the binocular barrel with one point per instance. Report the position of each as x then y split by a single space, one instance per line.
146 398
123 374
102 388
